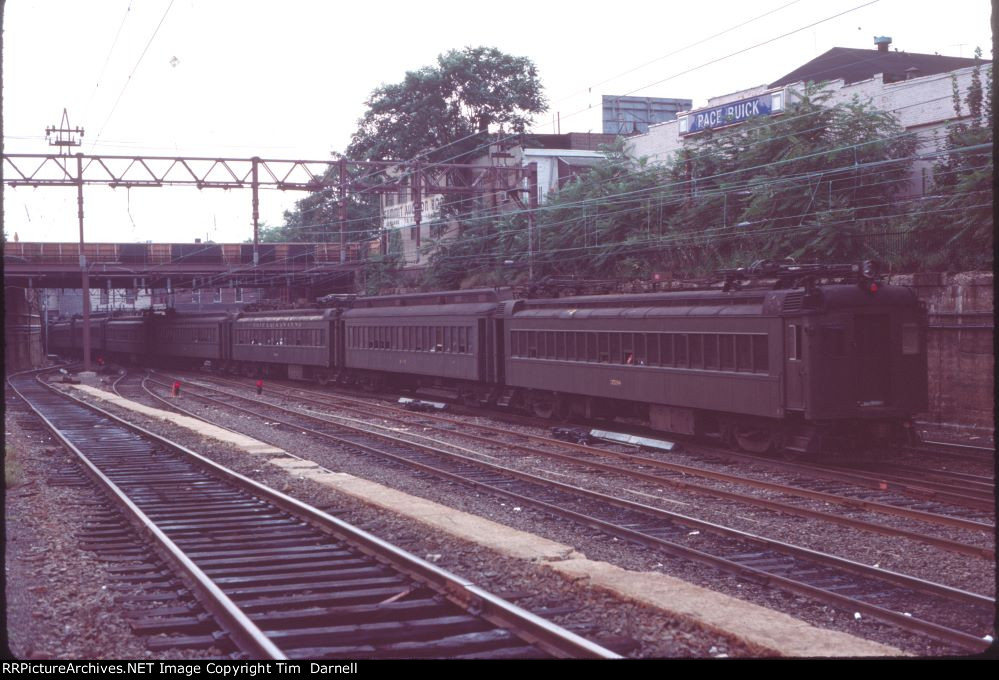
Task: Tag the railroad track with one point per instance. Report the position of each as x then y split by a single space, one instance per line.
969 452
947 614
283 579
876 500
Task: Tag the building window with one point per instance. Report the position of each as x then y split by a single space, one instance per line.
777 101
218 295
239 295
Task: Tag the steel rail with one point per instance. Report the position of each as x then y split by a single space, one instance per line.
245 634
848 501
961 638
531 628
944 543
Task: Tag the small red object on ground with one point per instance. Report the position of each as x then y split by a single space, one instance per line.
260 387
176 388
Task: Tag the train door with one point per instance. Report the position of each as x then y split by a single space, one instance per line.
831 370
794 365
874 359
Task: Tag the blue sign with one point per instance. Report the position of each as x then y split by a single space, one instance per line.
727 114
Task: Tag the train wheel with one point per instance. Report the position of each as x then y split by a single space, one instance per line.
754 439
545 406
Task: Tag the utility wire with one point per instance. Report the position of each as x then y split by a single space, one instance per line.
129 79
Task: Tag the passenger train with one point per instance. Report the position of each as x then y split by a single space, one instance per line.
819 359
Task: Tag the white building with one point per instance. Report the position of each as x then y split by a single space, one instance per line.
558 158
916 88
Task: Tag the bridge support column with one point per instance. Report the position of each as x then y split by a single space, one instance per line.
22 328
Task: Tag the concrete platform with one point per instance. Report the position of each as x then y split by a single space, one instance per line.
769 632
241 441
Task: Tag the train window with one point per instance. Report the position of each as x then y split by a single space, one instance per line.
550 345
694 350
570 346
542 345
603 347
711 351
910 338
653 344
559 345
640 356
761 355
680 349
666 349
438 339
743 353
614 353
794 342
581 346
462 339
532 344
726 352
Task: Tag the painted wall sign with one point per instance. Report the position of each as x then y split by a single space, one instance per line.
733 112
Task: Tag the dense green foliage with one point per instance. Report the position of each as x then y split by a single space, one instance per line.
955 228
445 112
818 183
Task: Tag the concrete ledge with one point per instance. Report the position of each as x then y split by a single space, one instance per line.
241 441
472 528
770 633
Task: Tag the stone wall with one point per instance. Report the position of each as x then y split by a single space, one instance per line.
960 346
22 329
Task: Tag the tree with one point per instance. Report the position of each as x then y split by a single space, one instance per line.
438 113
954 229
817 183
446 112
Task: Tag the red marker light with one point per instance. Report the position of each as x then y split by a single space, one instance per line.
873 287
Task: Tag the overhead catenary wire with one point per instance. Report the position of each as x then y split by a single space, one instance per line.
107 59
132 73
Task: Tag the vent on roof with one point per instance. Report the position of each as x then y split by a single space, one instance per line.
793 302
882 41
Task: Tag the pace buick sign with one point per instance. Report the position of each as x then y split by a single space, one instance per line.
733 112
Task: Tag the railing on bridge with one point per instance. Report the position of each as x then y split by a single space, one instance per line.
232 254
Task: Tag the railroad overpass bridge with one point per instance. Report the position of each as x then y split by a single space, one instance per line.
314 267
302 269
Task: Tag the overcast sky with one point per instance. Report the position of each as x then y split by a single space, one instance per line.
242 78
